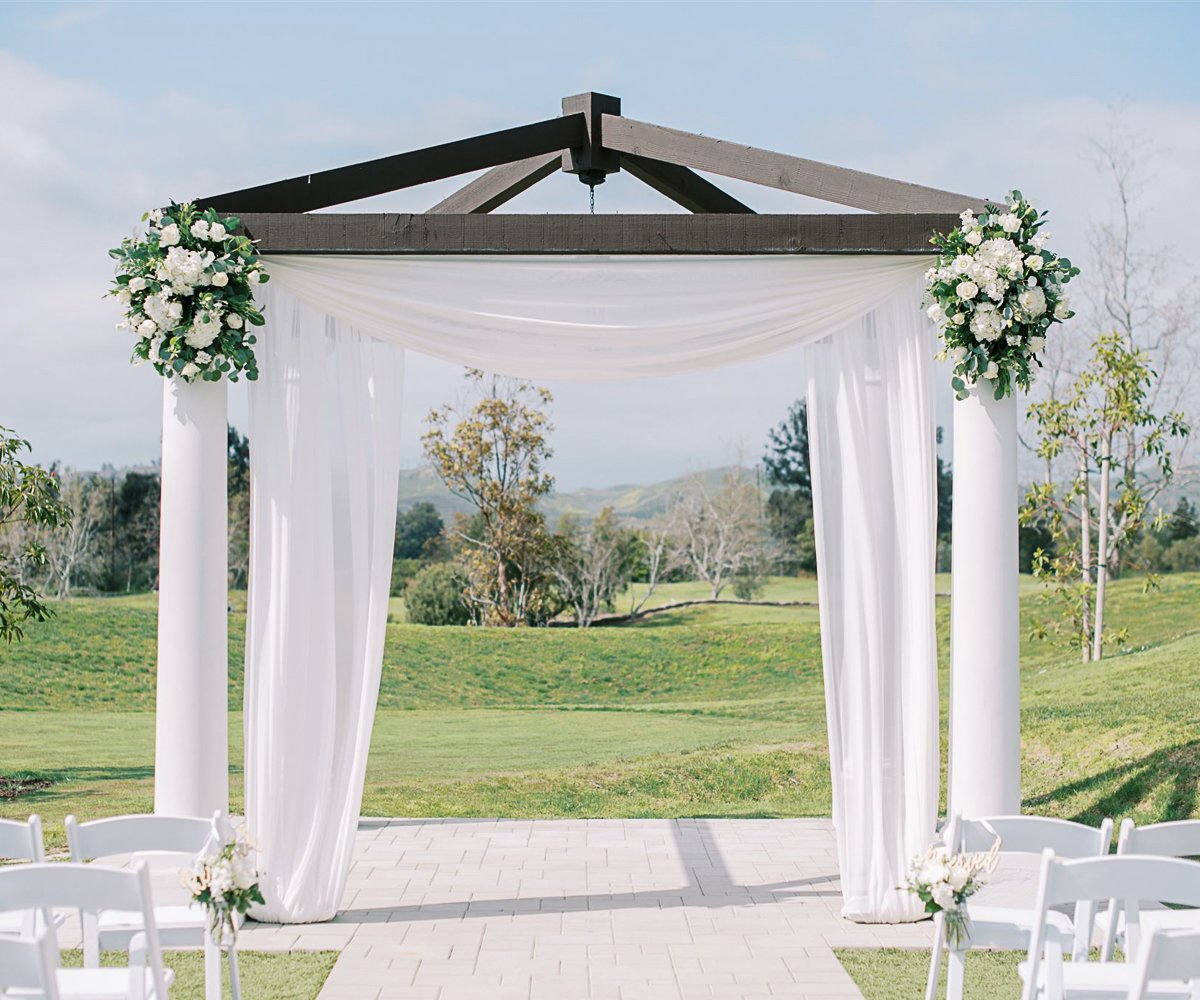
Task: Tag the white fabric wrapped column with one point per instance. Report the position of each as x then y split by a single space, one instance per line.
871 441
325 467
191 742
985 714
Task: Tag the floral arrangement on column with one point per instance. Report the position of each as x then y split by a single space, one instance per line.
995 292
187 289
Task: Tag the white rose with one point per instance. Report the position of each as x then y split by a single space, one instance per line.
958 354
1010 222
974 237
220 279
1062 310
147 328
124 297
234 321
1034 262
1039 240
137 284
156 215
254 277
943 895
963 263
216 232
959 318
1036 344
936 313
168 236
200 229
191 371
992 370
967 290
1032 302
958 879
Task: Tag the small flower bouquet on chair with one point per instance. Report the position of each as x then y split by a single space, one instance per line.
223 880
945 882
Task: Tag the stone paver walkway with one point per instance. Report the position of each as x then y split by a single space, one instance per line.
463 909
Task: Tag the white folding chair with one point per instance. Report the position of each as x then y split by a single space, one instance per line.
93 889
1179 839
1008 928
28 965
165 841
23 842
1129 879
1171 956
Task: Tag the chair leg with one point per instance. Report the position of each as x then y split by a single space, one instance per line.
212 968
935 959
91 940
235 979
955 973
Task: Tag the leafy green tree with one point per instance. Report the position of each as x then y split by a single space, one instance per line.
29 495
786 458
437 595
789 509
1183 523
418 530
1110 400
238 491
492 455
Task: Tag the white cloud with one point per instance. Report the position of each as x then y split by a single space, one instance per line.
73 15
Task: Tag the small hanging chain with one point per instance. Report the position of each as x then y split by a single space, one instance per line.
592 198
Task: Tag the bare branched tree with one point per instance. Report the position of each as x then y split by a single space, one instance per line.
721 532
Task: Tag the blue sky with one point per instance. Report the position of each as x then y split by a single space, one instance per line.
107 109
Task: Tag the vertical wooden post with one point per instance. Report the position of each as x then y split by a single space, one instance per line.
191 752
985 717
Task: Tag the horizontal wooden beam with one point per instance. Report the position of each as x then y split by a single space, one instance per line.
839 185
324 233
682 186
498 185
391 173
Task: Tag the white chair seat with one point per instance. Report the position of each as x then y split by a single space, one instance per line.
98 984
1009 927
1149 920
1104 981
13 922
182 924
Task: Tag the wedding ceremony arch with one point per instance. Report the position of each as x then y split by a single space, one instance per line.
581 297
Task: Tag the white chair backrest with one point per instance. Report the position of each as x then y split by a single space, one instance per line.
1171 956
28 964
1179 839
1031 835
1128 879
90 889
143 834
22 841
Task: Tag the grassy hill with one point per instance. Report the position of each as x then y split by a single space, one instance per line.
716 710
629 501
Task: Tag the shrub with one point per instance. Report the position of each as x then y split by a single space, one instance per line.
436 596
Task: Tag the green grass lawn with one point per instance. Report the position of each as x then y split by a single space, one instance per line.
716 711
294 975
900 974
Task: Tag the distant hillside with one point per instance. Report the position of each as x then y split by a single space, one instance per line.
633 501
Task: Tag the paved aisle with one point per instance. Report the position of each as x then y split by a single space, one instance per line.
600 909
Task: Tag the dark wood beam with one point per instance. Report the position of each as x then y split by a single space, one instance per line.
323 233
499 185
839 185
683 186
590 160
390 173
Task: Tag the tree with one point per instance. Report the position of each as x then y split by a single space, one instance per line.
418 530
492 454
29 496
70 548
238 490
789 507
1184 523
721 533
437 596
593 563
655 556
1109 401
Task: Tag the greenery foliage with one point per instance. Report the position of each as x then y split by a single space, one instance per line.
437 595
29 496
418 532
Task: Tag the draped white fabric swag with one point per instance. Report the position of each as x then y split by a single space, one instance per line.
325 426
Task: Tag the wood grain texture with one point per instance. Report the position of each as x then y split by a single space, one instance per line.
498 185
289 233
683 186
391 173
839 185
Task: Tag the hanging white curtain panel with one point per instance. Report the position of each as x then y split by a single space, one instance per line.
325 426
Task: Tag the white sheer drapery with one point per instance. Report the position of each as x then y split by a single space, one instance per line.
325 415
325 467
871 445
